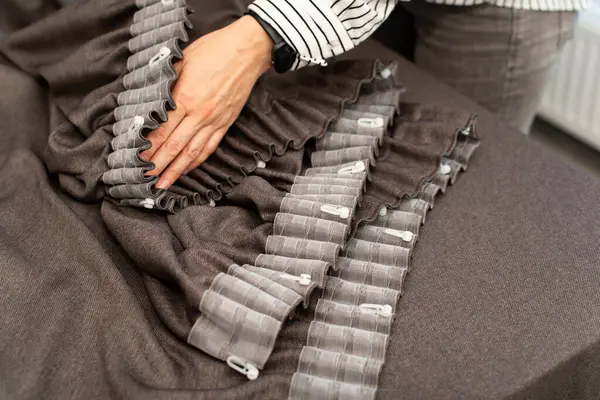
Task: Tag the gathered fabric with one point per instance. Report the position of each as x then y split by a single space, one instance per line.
274 269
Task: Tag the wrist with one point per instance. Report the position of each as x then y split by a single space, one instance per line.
257 42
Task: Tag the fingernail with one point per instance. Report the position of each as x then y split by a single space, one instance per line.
144 156
163 184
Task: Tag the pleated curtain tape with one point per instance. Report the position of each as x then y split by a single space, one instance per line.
158 29
348 337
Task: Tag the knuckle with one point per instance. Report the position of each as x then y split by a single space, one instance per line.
182 103
181 99
227 122
203 114
193 152
173 147
209 110
227 118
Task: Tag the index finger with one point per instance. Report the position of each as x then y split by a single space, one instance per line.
160 135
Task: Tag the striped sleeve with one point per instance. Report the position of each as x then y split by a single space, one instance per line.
320 29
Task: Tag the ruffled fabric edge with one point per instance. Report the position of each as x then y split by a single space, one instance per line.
347 340
244 156
158 30
243 311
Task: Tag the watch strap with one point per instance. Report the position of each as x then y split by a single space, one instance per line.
273 34
283 56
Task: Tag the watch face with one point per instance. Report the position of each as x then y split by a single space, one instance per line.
283 57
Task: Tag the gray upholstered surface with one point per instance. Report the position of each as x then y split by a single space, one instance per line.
503 300
567 146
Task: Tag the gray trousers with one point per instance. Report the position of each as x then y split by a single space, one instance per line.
499 57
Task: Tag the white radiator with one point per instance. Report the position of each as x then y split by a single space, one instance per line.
572 99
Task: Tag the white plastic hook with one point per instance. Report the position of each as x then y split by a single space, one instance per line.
466 131
162 54
385 73
212 203
340 211
243 367
303 279
359 166
407 236
147 203
383 211
384 310
261 164
371 122
445 169
135 124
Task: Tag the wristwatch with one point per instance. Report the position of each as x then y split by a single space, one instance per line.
282 55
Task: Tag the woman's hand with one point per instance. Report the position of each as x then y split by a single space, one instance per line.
216 77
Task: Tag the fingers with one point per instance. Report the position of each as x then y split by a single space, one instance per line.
209 148
178 66
175 144
192 151
160 135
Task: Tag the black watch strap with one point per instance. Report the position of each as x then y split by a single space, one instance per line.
282 56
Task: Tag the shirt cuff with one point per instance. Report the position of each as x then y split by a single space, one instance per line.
296 24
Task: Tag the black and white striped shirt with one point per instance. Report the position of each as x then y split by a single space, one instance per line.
320 29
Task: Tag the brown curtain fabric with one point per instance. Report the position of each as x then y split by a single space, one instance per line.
98 299
16 14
